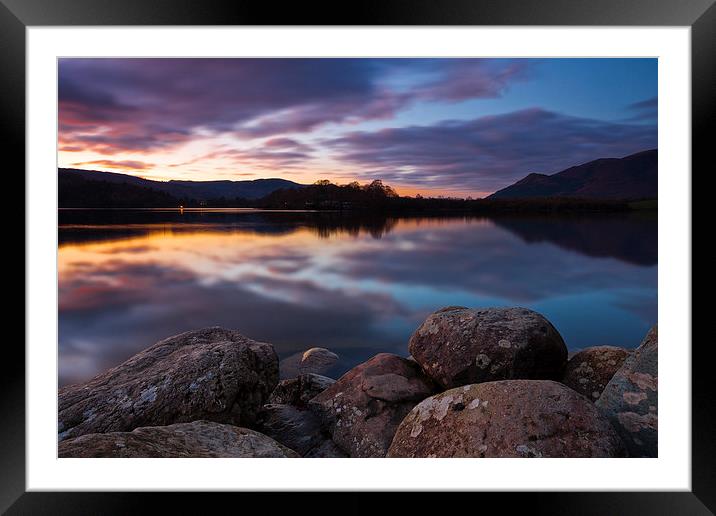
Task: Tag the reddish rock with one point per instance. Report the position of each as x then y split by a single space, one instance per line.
365 406
195 439
213 374
459 346
589 371
631 398
509 418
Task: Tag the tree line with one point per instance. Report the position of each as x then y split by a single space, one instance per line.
323 195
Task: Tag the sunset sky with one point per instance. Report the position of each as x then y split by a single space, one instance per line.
433 126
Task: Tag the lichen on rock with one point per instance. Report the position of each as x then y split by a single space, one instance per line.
460 346
631 398
508 418
589 371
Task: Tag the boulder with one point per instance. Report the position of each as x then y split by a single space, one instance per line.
365 406
327 450
314 360
300 430
213 374
589 371
458 346
195 439
508 418
630 399
297 391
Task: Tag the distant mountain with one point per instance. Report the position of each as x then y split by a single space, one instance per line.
631 177
176 190
75 191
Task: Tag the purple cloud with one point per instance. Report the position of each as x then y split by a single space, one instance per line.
273 154
116 105
287 144
122 165
460 79
488 153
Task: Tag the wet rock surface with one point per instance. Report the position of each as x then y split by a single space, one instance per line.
459 346
298 391
589 371
509 418
313 360
327 450
195 439
300 430
365 406
630 399
213 374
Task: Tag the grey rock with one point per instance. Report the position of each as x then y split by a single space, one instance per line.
195 439
631 398
459 346
213 374
300 430
327 450
297 391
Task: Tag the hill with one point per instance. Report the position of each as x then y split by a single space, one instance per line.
176 190
631 177
75 191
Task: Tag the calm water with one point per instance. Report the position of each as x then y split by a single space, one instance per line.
356 285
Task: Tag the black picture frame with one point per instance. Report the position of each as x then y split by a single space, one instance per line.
17 15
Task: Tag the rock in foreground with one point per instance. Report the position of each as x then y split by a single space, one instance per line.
510 418
300 430
195 439
327 450
298 391
459 346
589 371
365 406
630 399
213 374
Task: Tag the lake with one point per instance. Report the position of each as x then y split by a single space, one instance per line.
355 284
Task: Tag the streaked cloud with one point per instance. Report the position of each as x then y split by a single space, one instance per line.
122 165
143 104
488 152
644 111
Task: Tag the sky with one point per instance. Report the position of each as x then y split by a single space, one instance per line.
442 126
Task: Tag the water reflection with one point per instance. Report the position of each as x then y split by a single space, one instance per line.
357 285
631 238
94 225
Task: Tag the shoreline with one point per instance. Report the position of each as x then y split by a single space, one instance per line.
645 207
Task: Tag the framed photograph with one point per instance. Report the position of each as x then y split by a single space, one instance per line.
415 247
